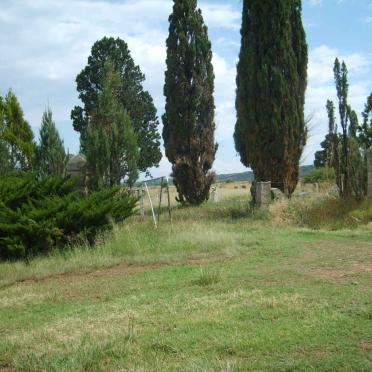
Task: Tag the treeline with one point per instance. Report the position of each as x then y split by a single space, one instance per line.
345 146
118 123
119 128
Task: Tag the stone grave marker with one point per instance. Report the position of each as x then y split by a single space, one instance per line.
263 193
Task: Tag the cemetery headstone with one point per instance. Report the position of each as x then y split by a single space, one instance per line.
262 193
77 167
214 195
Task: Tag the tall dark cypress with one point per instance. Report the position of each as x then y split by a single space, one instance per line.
189 112
270 132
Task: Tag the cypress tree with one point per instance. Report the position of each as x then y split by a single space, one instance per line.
342 89
110 142
270 132
189 112
50 153
344 151
365 130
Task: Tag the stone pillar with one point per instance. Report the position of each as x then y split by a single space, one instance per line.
77 167
369 170
214 195
263 193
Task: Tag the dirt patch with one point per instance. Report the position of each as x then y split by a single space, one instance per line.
347 259
342 272
366 346
347 253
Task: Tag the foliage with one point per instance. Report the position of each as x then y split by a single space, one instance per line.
332 213
134 99
4 154
342 88
110 143
342 150
365 130
329 156
189 112
39 216
270 132
50 153
319 174
17 147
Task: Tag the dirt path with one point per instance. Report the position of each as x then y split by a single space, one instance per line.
312 251
122 269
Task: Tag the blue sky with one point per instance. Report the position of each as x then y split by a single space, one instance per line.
45 44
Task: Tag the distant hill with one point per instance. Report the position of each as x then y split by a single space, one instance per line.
248 176
236 177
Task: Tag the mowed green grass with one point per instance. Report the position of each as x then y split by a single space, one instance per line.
224 289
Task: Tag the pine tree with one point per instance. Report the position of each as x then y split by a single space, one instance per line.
132 97
110 142
270 132
17 136
50 152
189 112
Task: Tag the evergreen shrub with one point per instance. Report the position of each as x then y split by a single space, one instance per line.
38 216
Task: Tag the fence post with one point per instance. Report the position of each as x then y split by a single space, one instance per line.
151 205
169 204
142 204
160 196
369 170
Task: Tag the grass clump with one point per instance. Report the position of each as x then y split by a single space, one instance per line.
207 277
331 213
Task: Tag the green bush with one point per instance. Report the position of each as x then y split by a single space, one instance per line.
39 216
319 174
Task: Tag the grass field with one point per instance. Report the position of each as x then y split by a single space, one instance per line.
224 288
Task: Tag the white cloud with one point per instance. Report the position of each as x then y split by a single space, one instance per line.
321 87
322 59
315 2
221 15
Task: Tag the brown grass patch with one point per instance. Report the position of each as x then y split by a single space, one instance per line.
366 346
331 273
124 269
